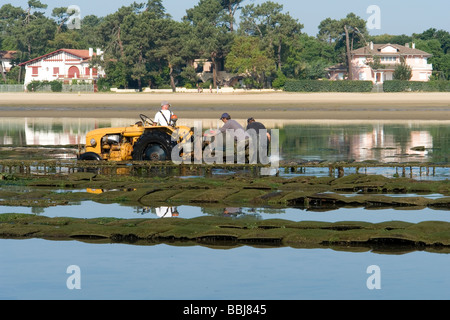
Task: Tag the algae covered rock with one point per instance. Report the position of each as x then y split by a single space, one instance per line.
225 231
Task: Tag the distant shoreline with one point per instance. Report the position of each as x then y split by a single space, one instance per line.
276 105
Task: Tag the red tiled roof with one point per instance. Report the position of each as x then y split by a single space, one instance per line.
83 54
79 53
401 50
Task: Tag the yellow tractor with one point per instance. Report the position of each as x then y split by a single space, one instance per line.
141 141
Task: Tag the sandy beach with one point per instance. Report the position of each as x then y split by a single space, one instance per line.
276 105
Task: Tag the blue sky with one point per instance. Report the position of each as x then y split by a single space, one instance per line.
396 17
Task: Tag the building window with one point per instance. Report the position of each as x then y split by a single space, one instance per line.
88 71
55 71
388 59
35 72
94 71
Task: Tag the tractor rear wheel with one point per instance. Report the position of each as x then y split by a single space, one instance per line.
153 146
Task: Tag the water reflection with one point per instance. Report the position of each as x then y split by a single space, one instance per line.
161 212
383 141
91 210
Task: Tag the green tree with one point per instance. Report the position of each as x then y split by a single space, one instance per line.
403 71
89 32
117 73
274 27
248 57
136 44
436 42
11 22
111 32
209 29
355 31
305 55
375 63
189 75
35 36
348 33
27 31
157 8
69 39
11 25
172 46
443 71
61 16
33 5
329 30
387 38
442 36
231 7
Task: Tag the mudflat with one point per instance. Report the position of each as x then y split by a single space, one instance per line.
261 105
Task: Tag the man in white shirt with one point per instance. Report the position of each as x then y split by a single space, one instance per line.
162 117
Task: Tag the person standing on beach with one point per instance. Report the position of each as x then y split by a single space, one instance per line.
162 117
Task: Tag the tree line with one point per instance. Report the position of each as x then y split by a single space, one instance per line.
145 47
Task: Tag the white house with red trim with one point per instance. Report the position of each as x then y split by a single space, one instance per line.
64 65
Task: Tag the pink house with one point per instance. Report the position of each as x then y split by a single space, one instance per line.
388 56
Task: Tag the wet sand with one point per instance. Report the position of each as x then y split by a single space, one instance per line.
274 105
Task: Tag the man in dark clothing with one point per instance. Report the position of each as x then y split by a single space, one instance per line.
260 139
252 124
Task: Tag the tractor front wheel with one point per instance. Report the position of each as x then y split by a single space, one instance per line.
153 146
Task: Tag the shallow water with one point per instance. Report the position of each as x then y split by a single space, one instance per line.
383 141
37 269
90 210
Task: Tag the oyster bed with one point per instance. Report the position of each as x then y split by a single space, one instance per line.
309 192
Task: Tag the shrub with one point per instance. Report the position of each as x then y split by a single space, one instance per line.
205 85
403 71
416 86
279 81
327 86
56 86
103 85
38 86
